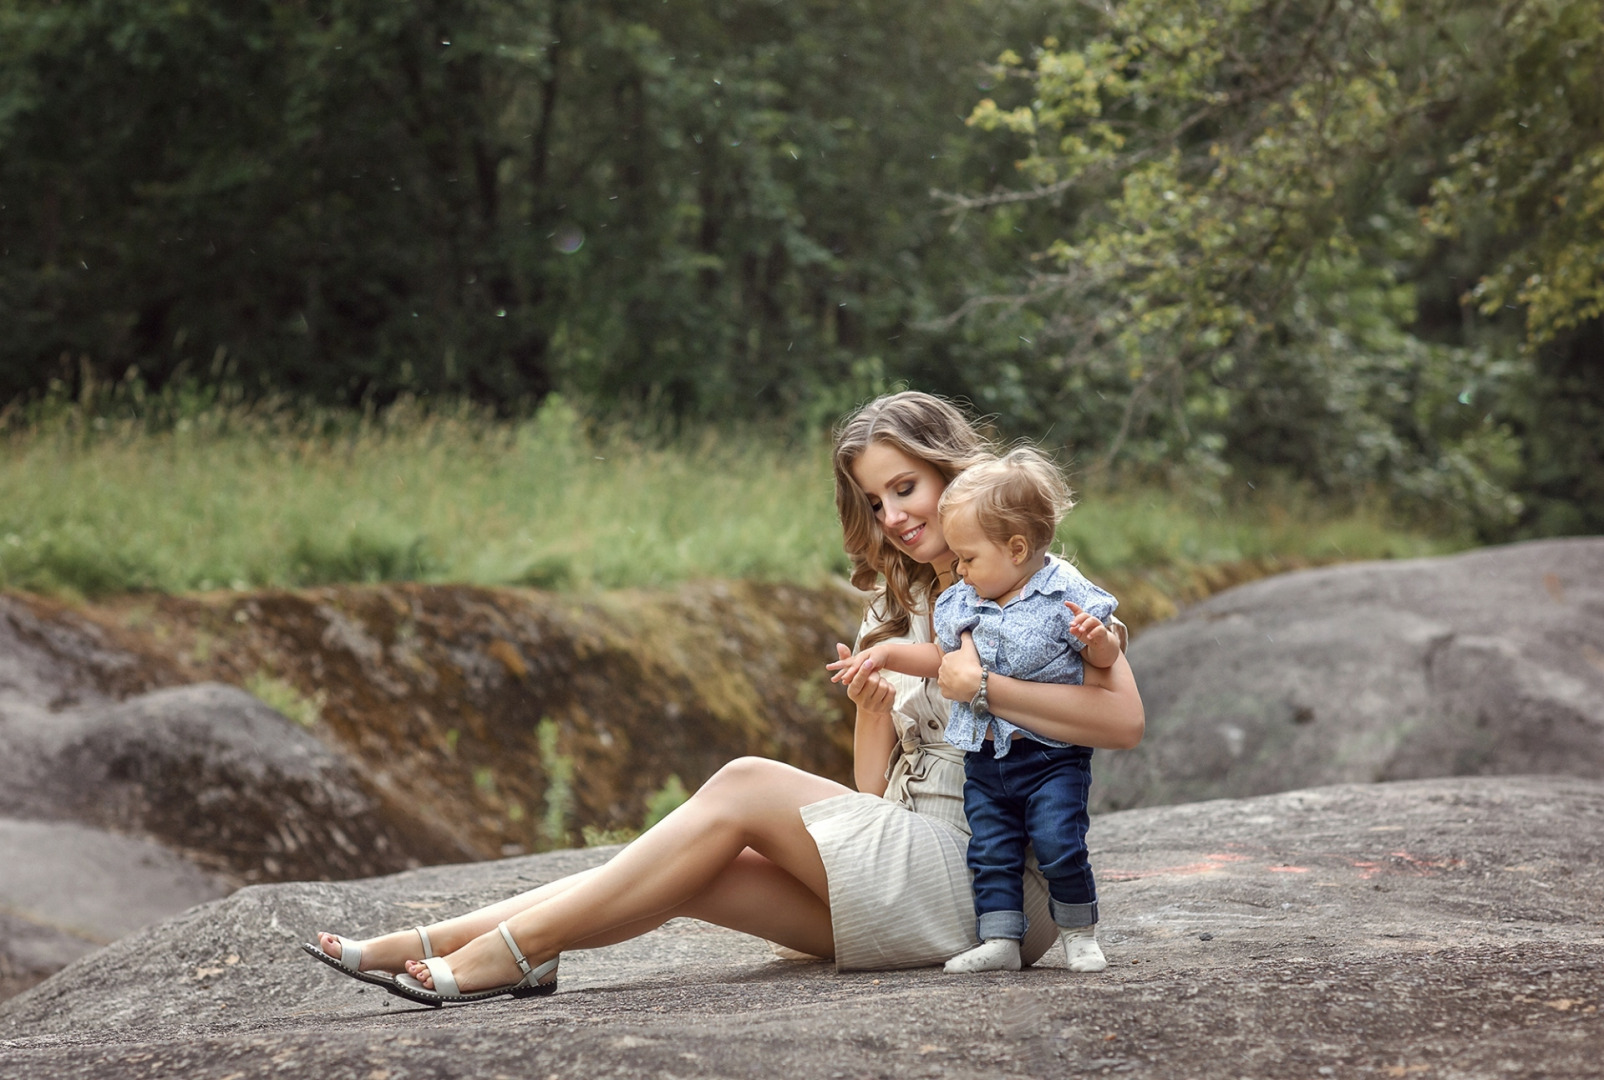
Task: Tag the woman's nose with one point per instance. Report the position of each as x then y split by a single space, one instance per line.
892 514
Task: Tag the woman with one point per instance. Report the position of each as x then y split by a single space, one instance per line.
874 878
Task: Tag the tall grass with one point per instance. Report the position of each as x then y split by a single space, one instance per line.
225 495
1140 528
244 498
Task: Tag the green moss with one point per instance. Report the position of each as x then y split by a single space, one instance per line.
559 770
284 698
664 801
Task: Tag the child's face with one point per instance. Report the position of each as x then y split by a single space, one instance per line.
995 571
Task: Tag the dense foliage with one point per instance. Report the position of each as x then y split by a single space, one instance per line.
1304 234
1353 242
717 204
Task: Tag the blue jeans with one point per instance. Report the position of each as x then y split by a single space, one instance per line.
1036 794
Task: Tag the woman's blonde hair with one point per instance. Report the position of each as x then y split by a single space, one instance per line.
928 429
1021 493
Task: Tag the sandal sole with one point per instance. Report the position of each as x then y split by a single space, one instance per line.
421 994
377 978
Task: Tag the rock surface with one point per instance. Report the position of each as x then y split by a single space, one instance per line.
117 814
211 772
1489 662
68 890
1440 929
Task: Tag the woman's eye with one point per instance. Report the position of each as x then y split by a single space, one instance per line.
904 492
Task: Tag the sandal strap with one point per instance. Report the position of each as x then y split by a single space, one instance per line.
350 957
423 936
445 981
517 953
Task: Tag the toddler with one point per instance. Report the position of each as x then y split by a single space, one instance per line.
1033 617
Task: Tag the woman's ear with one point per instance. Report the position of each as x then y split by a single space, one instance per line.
1018 548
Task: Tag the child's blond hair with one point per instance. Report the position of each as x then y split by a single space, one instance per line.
1021 493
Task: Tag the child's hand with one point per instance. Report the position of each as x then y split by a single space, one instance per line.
846 668
1102 647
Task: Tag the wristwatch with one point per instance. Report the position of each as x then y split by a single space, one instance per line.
979 703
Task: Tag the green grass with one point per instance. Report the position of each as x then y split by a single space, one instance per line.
253 500
1137 529
230 496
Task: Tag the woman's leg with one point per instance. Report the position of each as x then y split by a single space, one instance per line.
736 854
753 896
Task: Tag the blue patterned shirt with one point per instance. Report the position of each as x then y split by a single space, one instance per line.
1029 639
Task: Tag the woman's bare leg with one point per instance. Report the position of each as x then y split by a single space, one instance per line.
753 896
694 862
751 883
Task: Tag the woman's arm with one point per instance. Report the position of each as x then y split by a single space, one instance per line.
1105 713
873 734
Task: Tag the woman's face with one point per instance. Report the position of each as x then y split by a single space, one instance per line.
904 491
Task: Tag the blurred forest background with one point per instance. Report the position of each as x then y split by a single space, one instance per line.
1346 252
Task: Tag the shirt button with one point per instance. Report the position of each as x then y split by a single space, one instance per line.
933 725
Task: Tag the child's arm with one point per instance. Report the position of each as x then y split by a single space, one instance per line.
1106 712
1102 646
923 661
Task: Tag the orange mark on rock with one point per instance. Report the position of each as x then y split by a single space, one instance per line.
1209 865
1555 587
1289 869
1405 1070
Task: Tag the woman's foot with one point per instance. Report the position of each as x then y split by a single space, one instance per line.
482 964
388 953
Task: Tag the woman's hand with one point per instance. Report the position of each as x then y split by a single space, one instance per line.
959 679
869 690
1105 712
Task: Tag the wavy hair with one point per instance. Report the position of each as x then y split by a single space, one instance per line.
926 428
1021 493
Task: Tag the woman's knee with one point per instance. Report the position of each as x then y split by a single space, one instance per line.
743 773
750 790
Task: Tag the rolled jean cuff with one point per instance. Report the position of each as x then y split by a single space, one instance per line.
1071 916
1001 924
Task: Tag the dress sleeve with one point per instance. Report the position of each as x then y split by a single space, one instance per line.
918 707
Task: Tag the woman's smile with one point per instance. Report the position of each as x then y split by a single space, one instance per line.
903 492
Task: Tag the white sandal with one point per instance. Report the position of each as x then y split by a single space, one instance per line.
537 981
349 962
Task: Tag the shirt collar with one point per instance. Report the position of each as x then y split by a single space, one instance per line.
1044 580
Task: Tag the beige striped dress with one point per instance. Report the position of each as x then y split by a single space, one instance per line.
899 886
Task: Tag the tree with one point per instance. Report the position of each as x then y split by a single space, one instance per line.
1251 199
